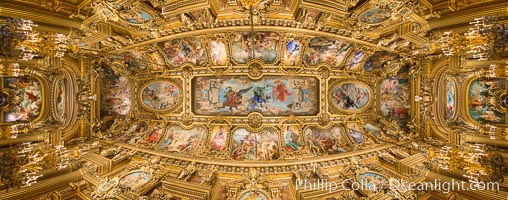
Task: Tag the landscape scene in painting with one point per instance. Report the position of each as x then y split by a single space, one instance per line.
184 141
265 45
450 99
378 60
480 91
187 50
291 52
161 95
375 15
350 96
326 50
395 99
115 94
325 142
29 94
239 95
255 146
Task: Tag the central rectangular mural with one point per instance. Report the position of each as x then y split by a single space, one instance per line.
270 95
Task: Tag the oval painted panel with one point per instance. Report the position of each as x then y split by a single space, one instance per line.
254 195
350 96
450 99
372 181
135 179
161 95
375 15
60 98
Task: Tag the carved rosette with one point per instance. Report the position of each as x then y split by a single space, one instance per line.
324 72
187 119
187 72
255 70
323 119
255 120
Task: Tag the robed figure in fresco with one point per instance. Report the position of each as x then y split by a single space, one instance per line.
154 137
258 97
219 140
292 141
281 92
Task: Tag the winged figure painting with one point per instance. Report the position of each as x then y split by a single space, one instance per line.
234 99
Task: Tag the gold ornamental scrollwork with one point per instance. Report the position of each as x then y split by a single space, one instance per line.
220 70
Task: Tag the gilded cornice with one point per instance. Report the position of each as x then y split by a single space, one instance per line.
39 16
234 163
465 16
247 28
329 6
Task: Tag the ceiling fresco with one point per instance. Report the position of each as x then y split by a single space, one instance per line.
231 96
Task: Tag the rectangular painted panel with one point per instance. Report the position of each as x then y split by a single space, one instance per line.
270 95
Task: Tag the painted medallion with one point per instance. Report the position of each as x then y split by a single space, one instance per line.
135 179
162 95
375 15
350 96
